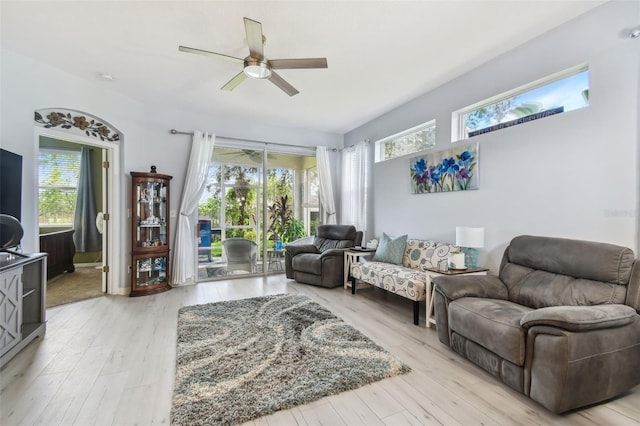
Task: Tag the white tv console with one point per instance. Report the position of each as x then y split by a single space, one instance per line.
23 286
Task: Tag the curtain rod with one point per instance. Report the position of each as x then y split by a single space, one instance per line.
65 148
178 132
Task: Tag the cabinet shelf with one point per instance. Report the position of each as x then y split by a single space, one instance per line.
151 270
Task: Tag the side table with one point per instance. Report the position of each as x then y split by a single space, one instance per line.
432 272
352 255
274 259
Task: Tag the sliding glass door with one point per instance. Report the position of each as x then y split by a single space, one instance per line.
254 202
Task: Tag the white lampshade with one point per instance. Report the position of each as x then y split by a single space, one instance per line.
469 237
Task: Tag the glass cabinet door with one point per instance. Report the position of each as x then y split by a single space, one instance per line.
150 270
151 212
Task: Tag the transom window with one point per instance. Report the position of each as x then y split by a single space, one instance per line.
555 94
407 142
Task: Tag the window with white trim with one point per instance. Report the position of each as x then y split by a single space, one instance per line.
406 142
58 173
564 91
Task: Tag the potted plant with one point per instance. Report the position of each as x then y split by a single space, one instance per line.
284 227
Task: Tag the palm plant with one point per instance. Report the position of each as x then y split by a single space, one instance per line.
283 225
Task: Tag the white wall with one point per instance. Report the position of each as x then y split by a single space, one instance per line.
573 175
28 85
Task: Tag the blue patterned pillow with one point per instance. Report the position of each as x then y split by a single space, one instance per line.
390 250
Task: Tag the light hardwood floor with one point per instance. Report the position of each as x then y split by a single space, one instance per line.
111 361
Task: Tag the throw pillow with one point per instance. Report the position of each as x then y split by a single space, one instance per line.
390 250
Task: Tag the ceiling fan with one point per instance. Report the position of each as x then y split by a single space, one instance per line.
256 65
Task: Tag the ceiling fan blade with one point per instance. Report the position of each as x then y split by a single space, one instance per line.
282 84
211 54
281 64
254 38
235 81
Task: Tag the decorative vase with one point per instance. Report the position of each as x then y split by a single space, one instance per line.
456 261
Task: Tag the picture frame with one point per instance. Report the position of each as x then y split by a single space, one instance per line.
454 169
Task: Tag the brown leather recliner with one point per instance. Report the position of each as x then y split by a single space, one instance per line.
559 323
321 262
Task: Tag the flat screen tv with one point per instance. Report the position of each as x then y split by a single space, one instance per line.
11 184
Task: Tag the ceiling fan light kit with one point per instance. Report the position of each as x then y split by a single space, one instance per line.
256 65
256 69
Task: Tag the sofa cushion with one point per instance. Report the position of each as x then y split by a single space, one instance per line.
540 289
581 259
423 254
323 244
307 262
390 250
337 232
409 283
491 323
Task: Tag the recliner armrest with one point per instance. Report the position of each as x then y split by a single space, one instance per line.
580 318
455 287
295 249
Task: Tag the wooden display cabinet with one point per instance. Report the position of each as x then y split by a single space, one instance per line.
150 233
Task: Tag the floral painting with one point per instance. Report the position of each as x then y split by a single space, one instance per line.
453 169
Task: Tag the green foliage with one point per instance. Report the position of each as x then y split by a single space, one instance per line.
248 233
279 213
292 230
526 109
489 115
57 206
408 144
240 199
313 226
58 181
241 202
211 210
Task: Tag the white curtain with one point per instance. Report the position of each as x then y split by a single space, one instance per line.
353 201
184 265
326 186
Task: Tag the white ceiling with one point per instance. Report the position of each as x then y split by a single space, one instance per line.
380 54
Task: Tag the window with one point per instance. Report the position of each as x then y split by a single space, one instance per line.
58 173
355 161
562 92
311 200
407 142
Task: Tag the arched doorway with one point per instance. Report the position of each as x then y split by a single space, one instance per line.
70 129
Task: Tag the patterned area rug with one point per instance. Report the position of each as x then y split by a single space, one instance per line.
243 359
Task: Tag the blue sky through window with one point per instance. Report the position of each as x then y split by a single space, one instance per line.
568 93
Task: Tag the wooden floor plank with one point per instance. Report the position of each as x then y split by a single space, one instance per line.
353 410
111 360
102 401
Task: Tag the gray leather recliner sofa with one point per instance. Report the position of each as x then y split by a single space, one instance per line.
559 323
321 262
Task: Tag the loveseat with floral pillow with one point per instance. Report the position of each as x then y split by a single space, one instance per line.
400 267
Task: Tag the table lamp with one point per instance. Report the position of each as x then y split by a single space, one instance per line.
469 240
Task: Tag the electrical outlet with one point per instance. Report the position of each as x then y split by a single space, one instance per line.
173 213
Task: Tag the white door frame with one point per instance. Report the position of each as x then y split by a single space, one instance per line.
114 177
